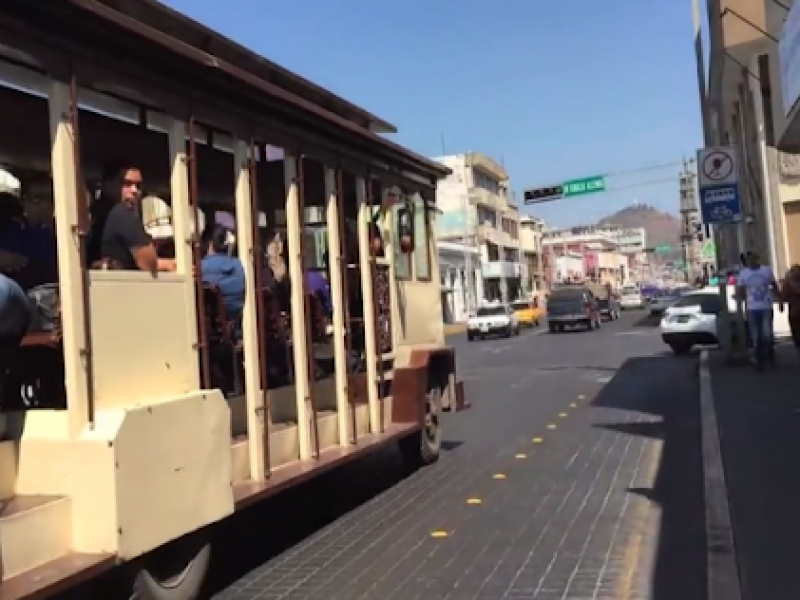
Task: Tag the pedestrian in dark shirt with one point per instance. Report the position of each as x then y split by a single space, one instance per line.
124 242
790 295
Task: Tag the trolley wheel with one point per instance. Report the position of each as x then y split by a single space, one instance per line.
423 447
178 572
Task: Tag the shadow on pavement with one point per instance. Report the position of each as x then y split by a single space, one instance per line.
651 430
758 415
262 532
647 320
668 389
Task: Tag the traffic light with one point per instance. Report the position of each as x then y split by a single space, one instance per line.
543 194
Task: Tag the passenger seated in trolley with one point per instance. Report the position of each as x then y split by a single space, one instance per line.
28 274
125 244
222 268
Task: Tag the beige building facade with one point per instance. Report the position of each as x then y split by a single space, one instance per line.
743 105
530 238
477 210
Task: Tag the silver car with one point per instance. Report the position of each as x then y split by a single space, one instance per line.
662 302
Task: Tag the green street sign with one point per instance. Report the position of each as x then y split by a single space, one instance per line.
588 185
709 251
663 249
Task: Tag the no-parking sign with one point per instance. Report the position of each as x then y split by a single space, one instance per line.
718 179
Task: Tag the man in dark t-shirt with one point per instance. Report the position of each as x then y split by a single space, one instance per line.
124 241
123 235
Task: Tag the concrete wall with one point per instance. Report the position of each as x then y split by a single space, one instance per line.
749 99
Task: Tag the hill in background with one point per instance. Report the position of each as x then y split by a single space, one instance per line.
661 227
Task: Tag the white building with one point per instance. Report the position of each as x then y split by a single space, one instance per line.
631 241
569 266
462 284
530 236
578 253
750 101
476 211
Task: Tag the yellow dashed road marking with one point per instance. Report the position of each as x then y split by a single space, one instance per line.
439 534
537 440
551 426
499 476
632 556
474 501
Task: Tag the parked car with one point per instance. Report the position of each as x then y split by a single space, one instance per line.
661 302
607 300
631 298
570 306
529 313
691 320
495 319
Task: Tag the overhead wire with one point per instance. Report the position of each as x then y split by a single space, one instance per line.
635 171
644 169
640 184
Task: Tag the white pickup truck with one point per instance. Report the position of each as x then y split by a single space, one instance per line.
497 319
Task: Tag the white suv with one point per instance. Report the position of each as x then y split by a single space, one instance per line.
496 319
691 321
631 298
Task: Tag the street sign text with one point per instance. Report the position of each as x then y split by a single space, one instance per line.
588 185
718 183
720 205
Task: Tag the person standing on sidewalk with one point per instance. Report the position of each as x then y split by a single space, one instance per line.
757 287
790 295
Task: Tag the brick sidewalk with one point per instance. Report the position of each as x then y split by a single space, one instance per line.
758 416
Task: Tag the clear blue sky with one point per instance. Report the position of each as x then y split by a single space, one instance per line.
555 89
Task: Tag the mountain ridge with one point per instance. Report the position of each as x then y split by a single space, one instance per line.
661 227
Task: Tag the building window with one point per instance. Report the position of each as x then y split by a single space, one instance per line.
766 94
492 252
422 255
510 255
485 182
510 227
487 216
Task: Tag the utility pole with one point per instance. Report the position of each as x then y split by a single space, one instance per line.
468 242
689 220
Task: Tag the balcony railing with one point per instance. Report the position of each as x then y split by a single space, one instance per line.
496 236
483 197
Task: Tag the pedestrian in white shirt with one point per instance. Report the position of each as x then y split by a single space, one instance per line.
758 288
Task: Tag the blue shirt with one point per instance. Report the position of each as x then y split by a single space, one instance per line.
227 274
15 309
317 284
38 245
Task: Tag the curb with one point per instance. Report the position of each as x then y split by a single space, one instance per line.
454 328
722 568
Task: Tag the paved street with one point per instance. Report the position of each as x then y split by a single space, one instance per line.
576 475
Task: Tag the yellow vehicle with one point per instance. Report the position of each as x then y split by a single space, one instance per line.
143 411
529 312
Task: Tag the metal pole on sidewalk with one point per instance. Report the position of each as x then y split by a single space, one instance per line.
730 326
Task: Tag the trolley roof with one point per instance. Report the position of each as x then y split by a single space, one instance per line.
148 23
